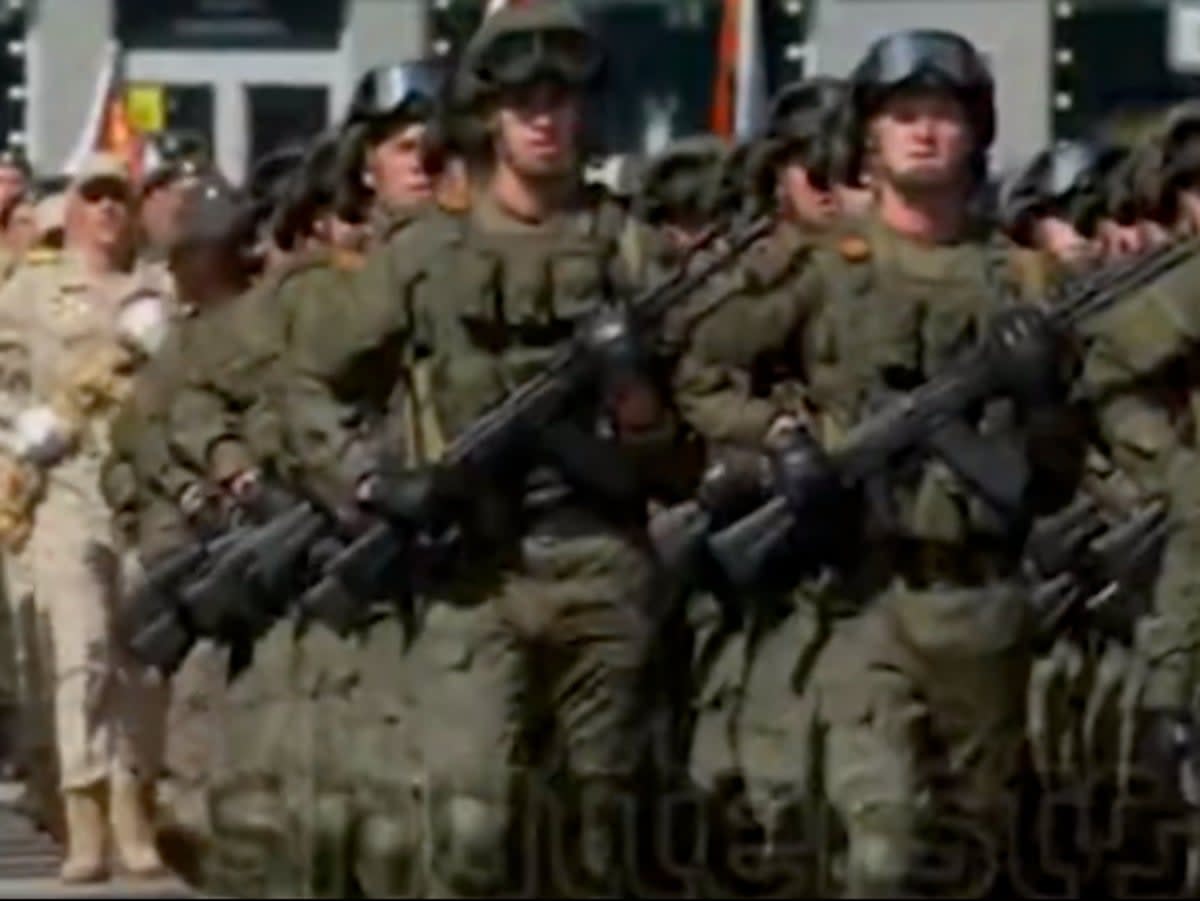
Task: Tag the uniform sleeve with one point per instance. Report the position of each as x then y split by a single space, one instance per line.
714 379
339 353
16 298
1131 354
229 353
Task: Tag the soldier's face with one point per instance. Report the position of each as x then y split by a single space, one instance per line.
537 130
99 214
808 203
396 168
1063 241
922 139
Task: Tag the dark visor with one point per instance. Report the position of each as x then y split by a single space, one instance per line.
907 55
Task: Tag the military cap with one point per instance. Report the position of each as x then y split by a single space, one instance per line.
212 213
100 167
684 179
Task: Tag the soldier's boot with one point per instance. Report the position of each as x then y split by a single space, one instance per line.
86 859
131 807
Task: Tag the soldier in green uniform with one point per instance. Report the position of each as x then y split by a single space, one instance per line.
342 819
738 739
555 626
915 705
678 192
210 265
1138 373
386 157
1055 202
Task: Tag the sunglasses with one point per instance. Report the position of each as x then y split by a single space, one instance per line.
105 189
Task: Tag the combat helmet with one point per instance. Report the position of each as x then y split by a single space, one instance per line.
519 45
803 119
1168 163
683 180
406 90
922 58
1071 179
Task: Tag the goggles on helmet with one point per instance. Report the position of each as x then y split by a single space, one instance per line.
521 57
911 55
390 90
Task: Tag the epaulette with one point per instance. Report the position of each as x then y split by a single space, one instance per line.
40 256
347 260
854 248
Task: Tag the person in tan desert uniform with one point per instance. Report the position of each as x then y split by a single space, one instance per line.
73 326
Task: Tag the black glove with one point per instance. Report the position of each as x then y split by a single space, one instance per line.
736 483
610 340
1025 355
806 477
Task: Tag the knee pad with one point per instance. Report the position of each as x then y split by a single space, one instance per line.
880 852
387 854
249 835
470 843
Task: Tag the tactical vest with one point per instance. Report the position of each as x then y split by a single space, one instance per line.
893 316
494 308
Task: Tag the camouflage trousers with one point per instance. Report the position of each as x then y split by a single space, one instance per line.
313 794
751 737
525 674
918 708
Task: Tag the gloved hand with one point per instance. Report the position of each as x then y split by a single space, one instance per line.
735 483
143 324
805 475
1024 354
42 436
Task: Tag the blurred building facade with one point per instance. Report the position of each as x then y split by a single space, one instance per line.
250 74
246 74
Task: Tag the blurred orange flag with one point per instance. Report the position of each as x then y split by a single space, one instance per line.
725 85
118 134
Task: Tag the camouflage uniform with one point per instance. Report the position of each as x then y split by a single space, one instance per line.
336 821
929 677
553 626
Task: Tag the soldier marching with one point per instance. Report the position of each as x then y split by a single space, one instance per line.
425 520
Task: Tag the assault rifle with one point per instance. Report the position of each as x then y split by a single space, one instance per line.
610 345
1009 362
226 587
1087 566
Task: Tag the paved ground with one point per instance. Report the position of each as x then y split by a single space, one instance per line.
29 864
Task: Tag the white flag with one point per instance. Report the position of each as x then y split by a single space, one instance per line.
751 105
